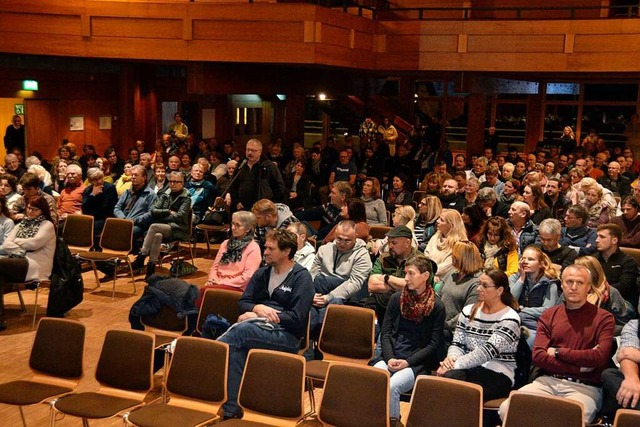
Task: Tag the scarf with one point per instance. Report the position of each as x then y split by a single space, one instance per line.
490 252
235 248
29 227
416 307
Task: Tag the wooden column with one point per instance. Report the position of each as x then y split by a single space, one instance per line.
475 123
535 122
295 116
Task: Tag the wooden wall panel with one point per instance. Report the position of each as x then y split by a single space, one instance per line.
363 41
515 44
439 43
334 35
247 30
40 23
402 43
136 28
606 43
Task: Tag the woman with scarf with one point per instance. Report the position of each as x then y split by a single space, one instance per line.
497 246
412 334
486 338
31 246
238 258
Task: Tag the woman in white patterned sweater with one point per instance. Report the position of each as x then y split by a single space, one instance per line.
486 339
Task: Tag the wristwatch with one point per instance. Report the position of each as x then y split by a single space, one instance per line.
386 279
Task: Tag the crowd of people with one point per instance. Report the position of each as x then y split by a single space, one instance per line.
487 261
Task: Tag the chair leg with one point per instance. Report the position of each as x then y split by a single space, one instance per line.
206 239
35 307
312 398
133 279
24 421
85 422
23 307
95 273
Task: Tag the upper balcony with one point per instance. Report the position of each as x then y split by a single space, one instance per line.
412 35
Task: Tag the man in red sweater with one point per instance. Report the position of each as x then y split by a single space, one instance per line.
572 346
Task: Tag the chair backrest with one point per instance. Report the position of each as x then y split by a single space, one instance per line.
222 302
355 396
198 371
117 235
126 361
347 334
165 320
633 253
378 231
445 401
284 402
533 410
627 418
78 231
58 348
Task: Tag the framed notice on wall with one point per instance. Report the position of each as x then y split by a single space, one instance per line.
105 123
76 123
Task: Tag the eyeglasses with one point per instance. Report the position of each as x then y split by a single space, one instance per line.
174 181
32 208
485 286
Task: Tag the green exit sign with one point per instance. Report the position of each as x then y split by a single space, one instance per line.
29 85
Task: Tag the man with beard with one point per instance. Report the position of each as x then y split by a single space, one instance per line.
555 200
449 196
387 275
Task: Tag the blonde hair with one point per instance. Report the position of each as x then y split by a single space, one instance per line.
546 266
434 208
598 278
408 214
457 232
465 257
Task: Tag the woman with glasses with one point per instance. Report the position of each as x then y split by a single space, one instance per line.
412 337
124 182
486 339
429 210
201 191
171 214
497 246
31 246
237 259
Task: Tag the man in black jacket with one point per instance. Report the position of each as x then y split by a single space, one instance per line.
620 269
257 178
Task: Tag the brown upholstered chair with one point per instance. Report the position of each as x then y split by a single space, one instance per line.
197 384
347 335
627 418
78 233
125 375
262 403
445 401
355 396
33 285
176 246
222 302
56 363
379 231
116 243
633 253
535 410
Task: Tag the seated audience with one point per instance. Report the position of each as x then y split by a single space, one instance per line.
535 287
576 234
328 213
398 193
98 200
30 184
604 295
225 179
297 187
354 211
306 253
6 223
270 216
124 182
237 259
374 205
339 271
555 200
387 274
70 200
497 246
629 223
486 338
425 226
600 212
449 196
31 246
621 386
170 220
201 191
159 183
511 192
572 346
411 337
618 184
522 227
274 311
450 229
621 269
9 190
473 218
533 196
471 190
550 231
459 286
488 201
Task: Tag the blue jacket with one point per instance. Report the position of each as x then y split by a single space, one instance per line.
535 298
140 213
293 297
581 239
528 236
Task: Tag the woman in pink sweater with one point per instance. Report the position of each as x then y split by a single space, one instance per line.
238 258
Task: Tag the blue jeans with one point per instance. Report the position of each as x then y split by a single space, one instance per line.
241 338
401 382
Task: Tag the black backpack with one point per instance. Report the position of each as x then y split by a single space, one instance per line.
67 286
